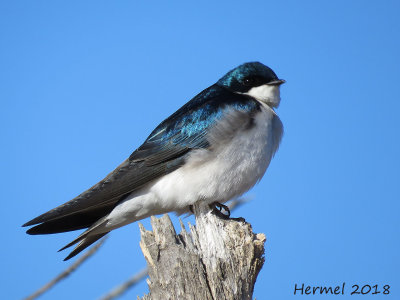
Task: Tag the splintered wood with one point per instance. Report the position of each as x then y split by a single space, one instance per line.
217 259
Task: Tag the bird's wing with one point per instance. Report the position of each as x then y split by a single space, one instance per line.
163 151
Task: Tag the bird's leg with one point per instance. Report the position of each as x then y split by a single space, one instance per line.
217 210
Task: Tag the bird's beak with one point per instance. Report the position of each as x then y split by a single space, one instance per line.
276 82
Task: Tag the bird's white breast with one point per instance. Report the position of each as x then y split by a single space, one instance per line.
226 171
241 150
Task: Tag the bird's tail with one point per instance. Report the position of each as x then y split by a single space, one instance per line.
83 244
88 237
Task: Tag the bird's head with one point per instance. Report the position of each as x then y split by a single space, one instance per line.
256 80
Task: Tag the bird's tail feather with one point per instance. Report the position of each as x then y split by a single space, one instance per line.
83 244
91 231
85 239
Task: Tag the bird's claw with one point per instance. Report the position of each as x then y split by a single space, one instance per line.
217 209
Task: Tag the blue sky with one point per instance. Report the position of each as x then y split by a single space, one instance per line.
85 82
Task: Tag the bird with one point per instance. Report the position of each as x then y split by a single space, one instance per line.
214 148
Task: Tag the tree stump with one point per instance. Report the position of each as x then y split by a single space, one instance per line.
219 259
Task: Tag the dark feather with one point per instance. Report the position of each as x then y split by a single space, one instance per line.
84 244
79 220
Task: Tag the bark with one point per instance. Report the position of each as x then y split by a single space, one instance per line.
217 259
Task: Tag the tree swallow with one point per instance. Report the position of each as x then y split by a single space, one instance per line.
214 148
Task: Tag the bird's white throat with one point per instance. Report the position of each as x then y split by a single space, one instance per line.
268 94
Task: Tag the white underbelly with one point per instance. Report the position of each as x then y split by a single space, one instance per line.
230 168
223 173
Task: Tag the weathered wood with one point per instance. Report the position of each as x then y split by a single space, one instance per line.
218 259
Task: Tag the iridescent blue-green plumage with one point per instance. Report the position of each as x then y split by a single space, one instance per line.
187 128
233 80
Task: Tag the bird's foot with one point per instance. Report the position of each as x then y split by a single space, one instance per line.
218 208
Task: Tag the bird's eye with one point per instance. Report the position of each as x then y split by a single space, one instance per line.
252 81
248 80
